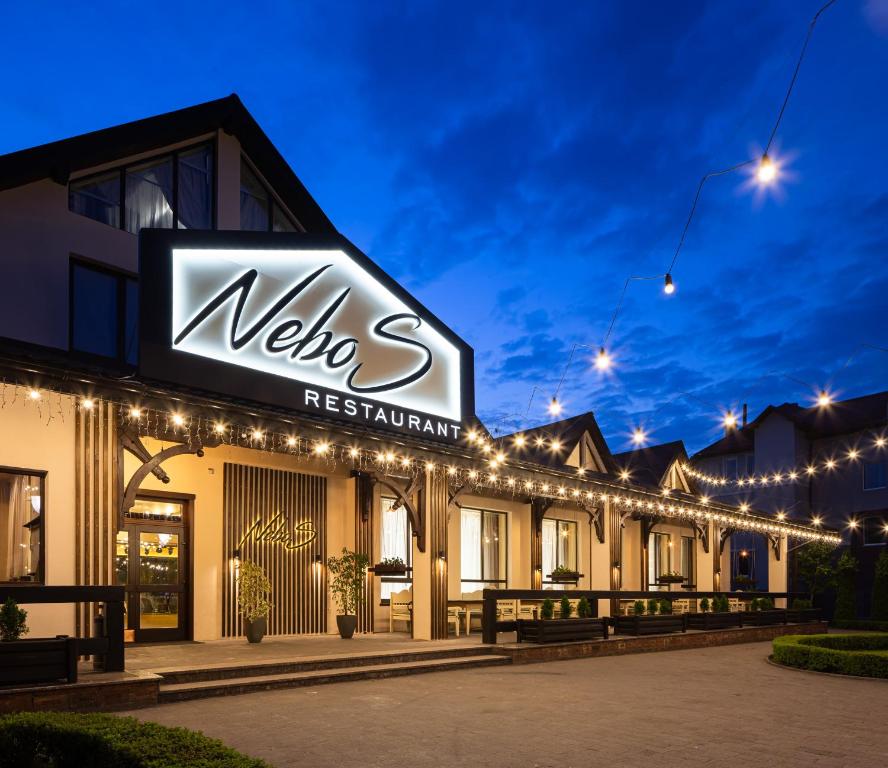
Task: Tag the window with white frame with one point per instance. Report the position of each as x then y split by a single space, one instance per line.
873 475
395 541
659 559
483 549
559 548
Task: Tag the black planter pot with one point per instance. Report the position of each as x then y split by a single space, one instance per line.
561 630
717 620
347 626
255 630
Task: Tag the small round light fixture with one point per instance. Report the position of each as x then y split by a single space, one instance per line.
668 285
767 170
603 360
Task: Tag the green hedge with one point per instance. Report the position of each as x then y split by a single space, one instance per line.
867 625
859 655
66 740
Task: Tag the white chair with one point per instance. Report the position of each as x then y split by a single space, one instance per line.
401 608
453 618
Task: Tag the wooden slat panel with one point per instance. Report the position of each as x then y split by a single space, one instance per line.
258 493
436 500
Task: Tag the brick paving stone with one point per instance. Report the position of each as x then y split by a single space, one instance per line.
706 707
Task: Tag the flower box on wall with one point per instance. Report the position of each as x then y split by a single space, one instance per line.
649 625
39 660
565 577
720 620
670 579
560 630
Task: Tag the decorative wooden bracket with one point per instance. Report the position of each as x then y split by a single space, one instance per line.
774 541
627 515
130 441
538 509
596 519
702 530
647 525
454 496
153 464
364 492
723 539
404 498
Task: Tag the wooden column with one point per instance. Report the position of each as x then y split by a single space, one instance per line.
615 530
96 489
364 528
436 498
538 508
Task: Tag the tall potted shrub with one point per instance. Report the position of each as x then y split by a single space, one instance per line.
253 592
347 576
846 569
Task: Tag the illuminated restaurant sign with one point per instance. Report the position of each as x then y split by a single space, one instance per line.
302 322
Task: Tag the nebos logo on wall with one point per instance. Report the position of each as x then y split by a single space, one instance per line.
339 338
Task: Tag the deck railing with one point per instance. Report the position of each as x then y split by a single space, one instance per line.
110 644
490 626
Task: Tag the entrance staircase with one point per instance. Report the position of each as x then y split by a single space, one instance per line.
228 680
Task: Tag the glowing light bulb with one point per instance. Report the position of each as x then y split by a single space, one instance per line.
603 360
852 524
781 515
824 399
668 285
639 436
555 407
624 475
135 413
257 435
178 419
815 520
88 403
853 454
219 428
767 170
472 436
556 445
880 442
322 447
520 440
744 507
729 420
353 452
33 394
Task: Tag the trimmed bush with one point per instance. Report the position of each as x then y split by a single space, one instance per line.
864 625
638 607
67 740
857 655
584 610
801 603
846 569
566 609
547 610
704 605
652 606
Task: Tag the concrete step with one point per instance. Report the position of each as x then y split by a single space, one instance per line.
170 692
230 671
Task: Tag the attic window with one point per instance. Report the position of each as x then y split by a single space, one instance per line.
259 212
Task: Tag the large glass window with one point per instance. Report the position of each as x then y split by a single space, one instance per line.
104 312
482 549
687 559
559 548
875 531
258 210
175 190
395 541
659 558
149 195
873 475
97 198
21 526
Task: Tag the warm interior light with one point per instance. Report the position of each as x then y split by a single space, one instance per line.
555 407
668 285
824 399
767 170
353 452
603 360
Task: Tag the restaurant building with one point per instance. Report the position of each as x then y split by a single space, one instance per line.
197 369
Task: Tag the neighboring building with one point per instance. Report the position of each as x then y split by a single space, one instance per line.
766 465
196 369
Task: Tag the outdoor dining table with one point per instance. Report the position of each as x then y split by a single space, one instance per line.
467 608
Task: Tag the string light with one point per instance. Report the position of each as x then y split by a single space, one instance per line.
520 441
256 434
824 399
603 360
729 420
88 403
178 419
33 394
668 285
135 413
555 407
766 173
639 436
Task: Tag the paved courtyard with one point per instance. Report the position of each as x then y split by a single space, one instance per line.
711 707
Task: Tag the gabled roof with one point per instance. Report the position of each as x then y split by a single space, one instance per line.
842 417
569 434
650 466
59 159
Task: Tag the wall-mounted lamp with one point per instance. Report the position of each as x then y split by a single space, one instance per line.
442 555
319 559
236 554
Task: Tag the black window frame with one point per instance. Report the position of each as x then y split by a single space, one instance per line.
495 582
122 169
77 261
273 200
41 570
872 522
884 484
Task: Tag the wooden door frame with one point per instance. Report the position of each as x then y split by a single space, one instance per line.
187 502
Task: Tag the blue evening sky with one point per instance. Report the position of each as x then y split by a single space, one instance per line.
512 163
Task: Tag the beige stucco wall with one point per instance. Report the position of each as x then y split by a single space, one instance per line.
203 477
40 436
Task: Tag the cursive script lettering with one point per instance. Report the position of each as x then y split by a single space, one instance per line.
277 530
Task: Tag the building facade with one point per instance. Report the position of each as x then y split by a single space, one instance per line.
197 369
824 464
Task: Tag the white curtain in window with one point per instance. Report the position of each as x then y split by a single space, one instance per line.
16 550
196 189
394 541
149 196
550 549
470 550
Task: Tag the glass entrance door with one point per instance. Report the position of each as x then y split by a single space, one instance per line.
151 564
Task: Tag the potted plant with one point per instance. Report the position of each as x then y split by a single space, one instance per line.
566 608
714 614
704 605
347 584
391 566
638 608
802 611
13 621
654 618
253 592
564 575
547 610
584 610
564 629
670 577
